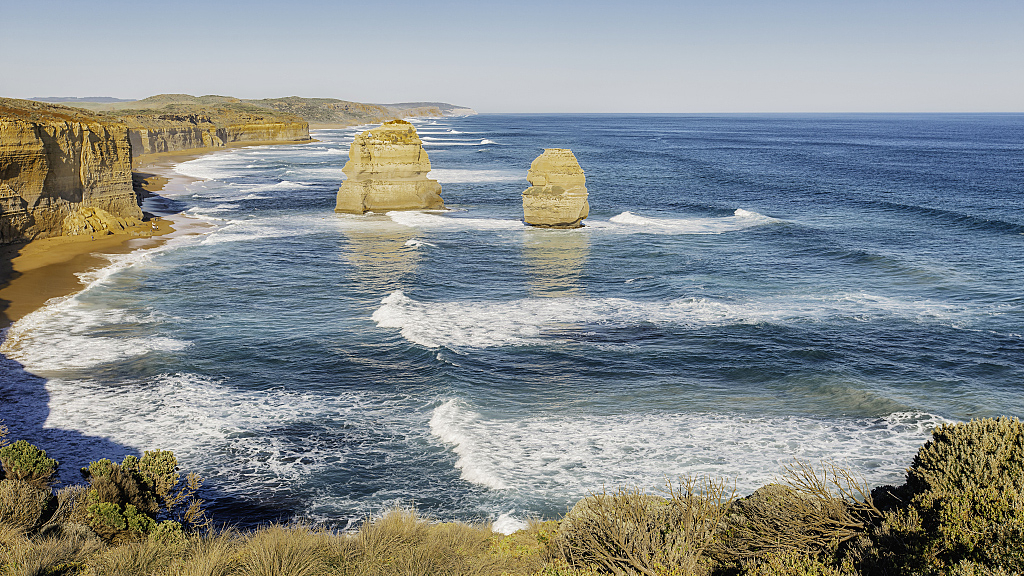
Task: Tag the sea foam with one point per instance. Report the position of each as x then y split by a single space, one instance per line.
740 220
482 324
574 455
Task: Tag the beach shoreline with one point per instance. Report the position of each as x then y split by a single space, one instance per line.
32 273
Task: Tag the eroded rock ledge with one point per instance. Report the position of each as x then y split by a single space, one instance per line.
387 170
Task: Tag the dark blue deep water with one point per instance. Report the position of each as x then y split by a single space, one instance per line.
748 290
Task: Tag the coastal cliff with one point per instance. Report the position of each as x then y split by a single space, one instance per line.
62 171
387 170
177 122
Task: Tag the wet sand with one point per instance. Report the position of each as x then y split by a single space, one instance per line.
33 272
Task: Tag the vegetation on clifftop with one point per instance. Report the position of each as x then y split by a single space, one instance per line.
960 512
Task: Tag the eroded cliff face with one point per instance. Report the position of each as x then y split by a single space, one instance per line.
387 170
558 195
55 161
186 127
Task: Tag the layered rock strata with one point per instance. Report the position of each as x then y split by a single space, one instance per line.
56 160
387 170
180 122
557 197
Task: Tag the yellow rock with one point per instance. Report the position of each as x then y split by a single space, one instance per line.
96 222
558 195
54 160
387 170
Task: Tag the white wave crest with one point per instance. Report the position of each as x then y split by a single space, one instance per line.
482 324
427 220
453 176
629 222
63 333
578 454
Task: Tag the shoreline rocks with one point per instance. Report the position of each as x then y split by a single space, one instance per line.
387 170
557 197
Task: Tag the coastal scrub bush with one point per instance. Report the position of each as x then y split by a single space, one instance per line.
966 485
631 532
820 513
124 500
790 564
23 461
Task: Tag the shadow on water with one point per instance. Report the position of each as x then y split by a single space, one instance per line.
25 407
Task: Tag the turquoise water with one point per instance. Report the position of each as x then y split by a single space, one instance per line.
747 290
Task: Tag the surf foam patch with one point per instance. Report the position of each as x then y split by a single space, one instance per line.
629 222
460 176
566 454
482 324
64 333
427 220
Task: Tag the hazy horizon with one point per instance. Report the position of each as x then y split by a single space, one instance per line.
793 56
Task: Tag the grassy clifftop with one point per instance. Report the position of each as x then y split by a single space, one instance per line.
318 112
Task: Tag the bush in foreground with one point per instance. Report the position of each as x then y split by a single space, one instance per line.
960 513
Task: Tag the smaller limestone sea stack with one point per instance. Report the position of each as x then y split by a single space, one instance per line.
387 170
558 195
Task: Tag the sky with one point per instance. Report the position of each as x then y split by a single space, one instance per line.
531 56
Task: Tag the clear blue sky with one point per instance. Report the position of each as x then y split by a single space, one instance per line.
532 56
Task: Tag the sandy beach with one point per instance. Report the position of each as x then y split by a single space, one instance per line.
33 272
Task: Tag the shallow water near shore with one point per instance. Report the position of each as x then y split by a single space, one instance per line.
747 289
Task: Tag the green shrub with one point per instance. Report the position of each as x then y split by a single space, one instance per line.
967 485
23 461
821 513
125 500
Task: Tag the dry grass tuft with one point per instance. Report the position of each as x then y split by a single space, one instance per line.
136 558
631 532
211 554
284 551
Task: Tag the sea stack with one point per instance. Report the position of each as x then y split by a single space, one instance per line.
558 195
387 170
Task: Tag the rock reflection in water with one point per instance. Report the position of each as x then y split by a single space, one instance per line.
555 261
383 254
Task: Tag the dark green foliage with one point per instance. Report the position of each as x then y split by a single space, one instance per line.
125 500
967 484
23 461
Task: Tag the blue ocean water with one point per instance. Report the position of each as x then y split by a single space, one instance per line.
747 290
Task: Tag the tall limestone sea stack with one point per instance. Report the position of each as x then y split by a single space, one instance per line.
387 170
558 195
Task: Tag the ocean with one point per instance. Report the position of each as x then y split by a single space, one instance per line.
748 290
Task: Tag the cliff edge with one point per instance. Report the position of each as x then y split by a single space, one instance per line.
63 171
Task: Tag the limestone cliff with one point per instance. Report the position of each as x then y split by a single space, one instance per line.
56 160
387 170
558 195
177 122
